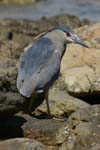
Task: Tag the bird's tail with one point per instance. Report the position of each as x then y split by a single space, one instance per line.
26 88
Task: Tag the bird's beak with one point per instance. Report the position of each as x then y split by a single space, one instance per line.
79 41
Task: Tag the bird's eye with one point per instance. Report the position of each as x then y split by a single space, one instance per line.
68 34
22 80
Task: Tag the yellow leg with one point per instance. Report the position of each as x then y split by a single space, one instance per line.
31 103
47 102
48 108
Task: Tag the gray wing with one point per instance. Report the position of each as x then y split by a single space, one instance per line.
32 64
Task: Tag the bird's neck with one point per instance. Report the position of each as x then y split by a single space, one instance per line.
58 41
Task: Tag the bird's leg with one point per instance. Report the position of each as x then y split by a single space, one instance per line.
31 103
48 109
47 102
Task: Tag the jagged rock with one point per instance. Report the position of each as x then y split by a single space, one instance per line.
81 66
82 130
22 144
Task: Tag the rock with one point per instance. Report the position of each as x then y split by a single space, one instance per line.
22 144
10 103
81 66
61 104
41 129
23 125
82 131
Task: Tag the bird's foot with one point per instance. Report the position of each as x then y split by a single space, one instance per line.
50 116
58 118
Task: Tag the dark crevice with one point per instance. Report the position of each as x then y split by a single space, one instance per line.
10 127
91 99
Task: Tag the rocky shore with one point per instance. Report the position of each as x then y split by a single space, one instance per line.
75 97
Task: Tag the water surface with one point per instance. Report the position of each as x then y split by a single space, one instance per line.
89 9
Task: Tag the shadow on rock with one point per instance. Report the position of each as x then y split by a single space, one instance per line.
91 99
10 127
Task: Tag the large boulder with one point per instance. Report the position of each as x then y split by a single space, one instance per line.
22 144
81 66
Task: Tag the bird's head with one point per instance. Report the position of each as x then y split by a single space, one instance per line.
70 36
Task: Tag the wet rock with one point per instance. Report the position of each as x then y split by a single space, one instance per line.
61 104
22 144
80 66
82 131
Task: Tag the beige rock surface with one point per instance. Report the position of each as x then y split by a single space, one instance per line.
81 66
62 104
22 144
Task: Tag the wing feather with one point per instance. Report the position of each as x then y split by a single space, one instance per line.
32 63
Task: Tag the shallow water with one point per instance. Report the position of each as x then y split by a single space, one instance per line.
89 9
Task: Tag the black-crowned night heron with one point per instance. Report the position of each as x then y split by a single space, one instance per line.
40 63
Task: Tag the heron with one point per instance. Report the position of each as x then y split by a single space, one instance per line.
40 63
